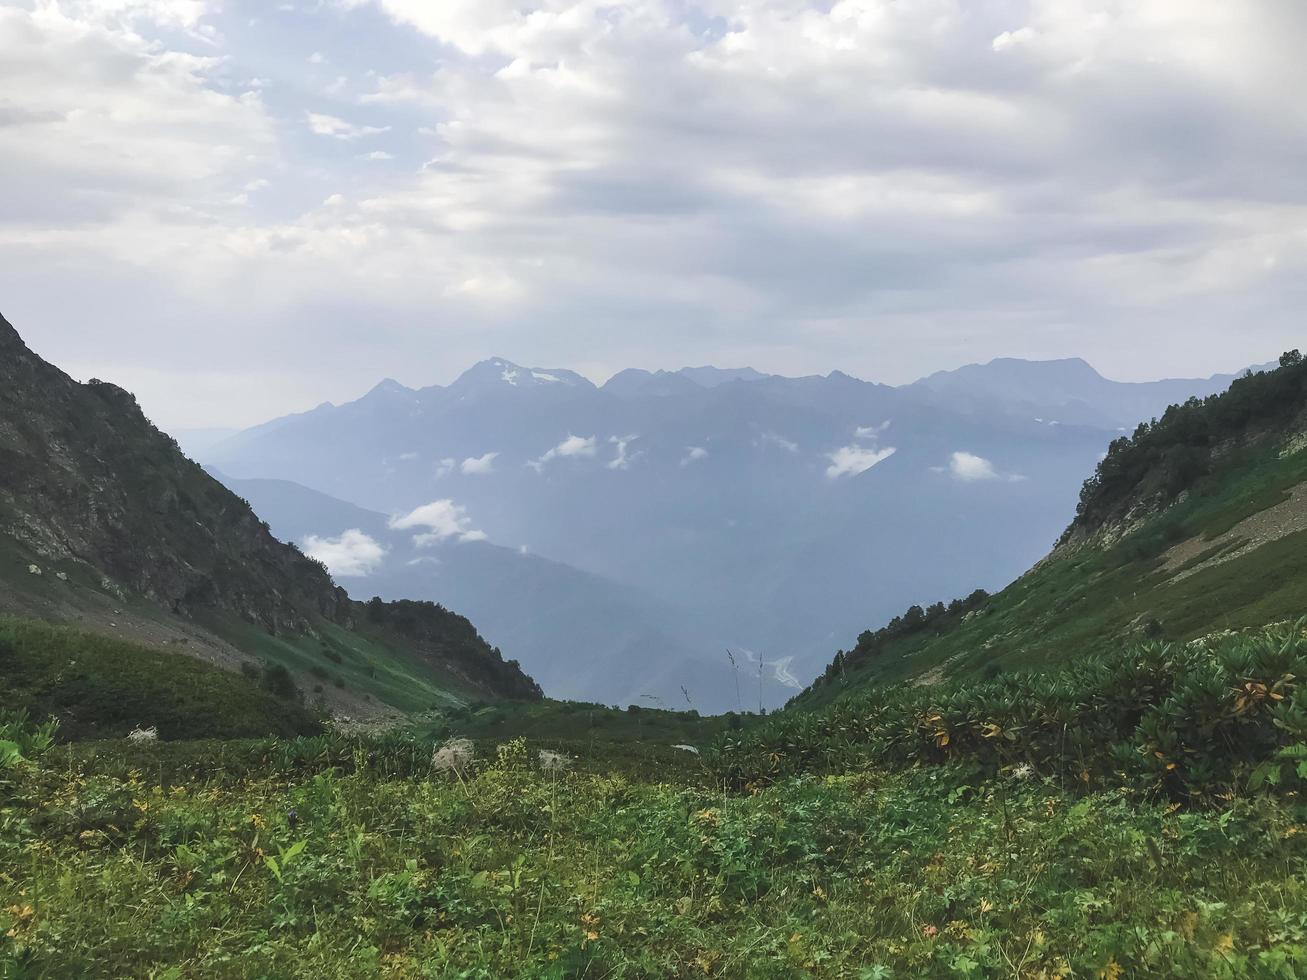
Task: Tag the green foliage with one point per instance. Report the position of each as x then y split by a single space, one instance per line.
277 681
1190 721
512 871
25 739
102 688
1022 826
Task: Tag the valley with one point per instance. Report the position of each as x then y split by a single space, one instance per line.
1094 771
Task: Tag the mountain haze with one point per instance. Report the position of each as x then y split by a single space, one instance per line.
567 627
774 516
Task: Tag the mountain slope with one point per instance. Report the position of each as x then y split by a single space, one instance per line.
100 688
104 522
566 626
1195 524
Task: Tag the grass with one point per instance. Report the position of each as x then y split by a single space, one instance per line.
99 688
584 721
511 871
366 665
869 847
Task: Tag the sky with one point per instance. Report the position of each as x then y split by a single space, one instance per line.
238 209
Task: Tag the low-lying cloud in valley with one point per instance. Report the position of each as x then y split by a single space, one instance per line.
967 467
572 447
443 520
352 555
852 460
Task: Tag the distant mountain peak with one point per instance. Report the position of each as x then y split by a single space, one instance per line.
1063 368
388 386
637 381
498 371
708 376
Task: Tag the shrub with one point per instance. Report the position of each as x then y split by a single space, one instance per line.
277 680
1193 721
103 688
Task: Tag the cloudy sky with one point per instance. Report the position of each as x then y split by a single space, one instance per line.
239 208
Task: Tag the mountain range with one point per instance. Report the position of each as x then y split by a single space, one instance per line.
620 539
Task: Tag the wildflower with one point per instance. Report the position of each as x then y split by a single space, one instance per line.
553 761
590 927
1023 771
454 756
139 734
930 932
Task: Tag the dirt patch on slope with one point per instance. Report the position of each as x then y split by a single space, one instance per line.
1285 518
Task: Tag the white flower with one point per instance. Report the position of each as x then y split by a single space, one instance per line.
139 734
1023 771
454 756
553 761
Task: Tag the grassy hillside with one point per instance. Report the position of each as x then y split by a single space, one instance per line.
1229 551
102 688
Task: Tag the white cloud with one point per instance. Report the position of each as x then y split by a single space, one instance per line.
779 441
171 13
955 177
352 555
570 448
322 124
378 155
445 467
969 467
479 465
622 461
443 520
124 131
693 454
852 460
870 431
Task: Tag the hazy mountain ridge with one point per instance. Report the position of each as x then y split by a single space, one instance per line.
522 603
90 490
1067 391
773 514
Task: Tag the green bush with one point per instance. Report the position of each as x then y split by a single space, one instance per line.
102 688
277 681
1193 721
